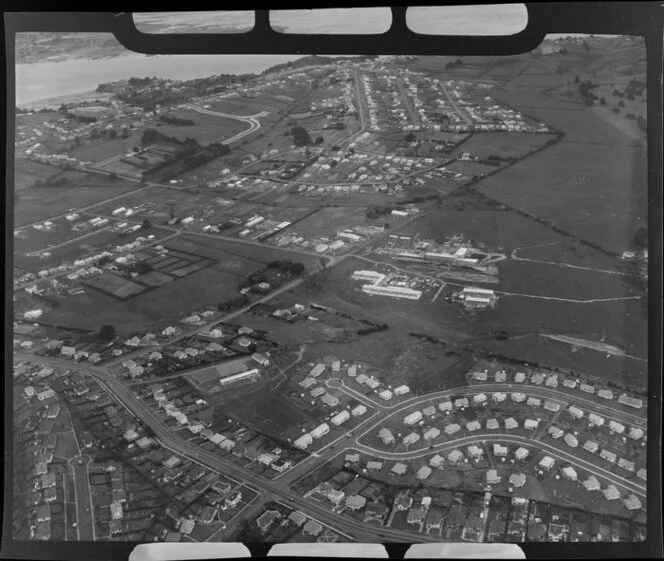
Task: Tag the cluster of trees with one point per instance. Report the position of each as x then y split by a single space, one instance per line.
176 121
378 210
458 62
410 137
235 302
641 238
300 136
585 89
289 267
55 180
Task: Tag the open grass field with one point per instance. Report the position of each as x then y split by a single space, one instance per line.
622 322
328 221
97 150
502 144
26 172
207 128
601 197
83 189
507 231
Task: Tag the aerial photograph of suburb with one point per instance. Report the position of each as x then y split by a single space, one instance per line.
307 298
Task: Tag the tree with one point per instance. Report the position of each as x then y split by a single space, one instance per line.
621 103
147 224
112 133
410 137
577 79
641 238
319 140
112 176
602 101
107 332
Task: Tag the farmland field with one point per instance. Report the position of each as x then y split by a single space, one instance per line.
502 144
517 315
83 189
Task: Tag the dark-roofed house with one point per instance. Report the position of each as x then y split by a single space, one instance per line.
416 515
434 519
312 528
375 511
297 518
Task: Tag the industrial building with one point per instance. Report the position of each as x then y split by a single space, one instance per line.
241 376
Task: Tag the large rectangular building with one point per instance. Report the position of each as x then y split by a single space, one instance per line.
393 291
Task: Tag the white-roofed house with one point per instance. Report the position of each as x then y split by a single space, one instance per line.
445 406
461 402
431 433
386 436
534 402
412 418
632 502
555 432
475 452
571 440
499 450
492 424
500 376
569 473
635 433
531 424
411 438
423 473
521 453
480 399
480 375
437 461
627 465
608 456
595 420
546 463
452 429
520 377
358 411
474 425
591 484
552 406
575 412
499 397
517 479
611 493
455 456
492 477
591 446
518 397
616 427
511 423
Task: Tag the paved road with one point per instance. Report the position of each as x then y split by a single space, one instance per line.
251 120
84 509
536 391
280 490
